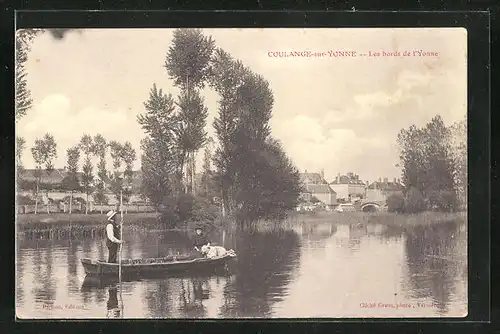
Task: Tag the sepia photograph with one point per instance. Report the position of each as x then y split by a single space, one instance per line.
240 173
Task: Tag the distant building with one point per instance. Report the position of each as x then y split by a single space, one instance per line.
323 193
54 178
313 178
381 189
349 187
306 196
315 185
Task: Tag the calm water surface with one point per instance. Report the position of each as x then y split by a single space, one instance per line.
310 270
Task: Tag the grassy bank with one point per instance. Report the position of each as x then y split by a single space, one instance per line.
57 225
63 225
383 218
81 218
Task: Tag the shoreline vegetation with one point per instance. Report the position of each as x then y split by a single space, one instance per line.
150 221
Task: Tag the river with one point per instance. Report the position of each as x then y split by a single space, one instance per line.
311 270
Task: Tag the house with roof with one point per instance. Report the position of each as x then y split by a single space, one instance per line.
54 178
348 187
313 178
315 185
323 193
381 189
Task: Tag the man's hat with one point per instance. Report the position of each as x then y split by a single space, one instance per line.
111 214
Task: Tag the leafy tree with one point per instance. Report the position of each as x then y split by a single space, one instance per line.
157 180
428 163
187 63
116 177
227 76
100 150
161 161
412 158
192 135
20 147
71 182
440 164
188 58
414 201
396 203
459 153
23 41
207 177
87 147
258 181
128 156
281 180
44 152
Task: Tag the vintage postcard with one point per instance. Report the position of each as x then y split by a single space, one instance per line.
241 173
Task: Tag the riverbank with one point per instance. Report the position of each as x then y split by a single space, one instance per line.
382 218
45 225
81 218
61 223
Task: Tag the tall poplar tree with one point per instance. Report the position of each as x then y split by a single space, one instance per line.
187 63
87 147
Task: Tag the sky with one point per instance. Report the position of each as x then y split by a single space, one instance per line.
337 114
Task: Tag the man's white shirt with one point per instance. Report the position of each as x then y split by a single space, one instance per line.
110 233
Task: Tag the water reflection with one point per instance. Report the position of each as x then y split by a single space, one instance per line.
278 273
435 258
114 310
263 270
193 293
156 296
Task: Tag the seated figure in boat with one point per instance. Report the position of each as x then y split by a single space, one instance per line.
200 240
216 251
112 235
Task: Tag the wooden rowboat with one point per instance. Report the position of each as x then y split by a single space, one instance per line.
181 264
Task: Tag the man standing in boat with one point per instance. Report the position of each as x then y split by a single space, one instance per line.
199 241
112 235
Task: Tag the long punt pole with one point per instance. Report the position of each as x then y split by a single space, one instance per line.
120 255
121 235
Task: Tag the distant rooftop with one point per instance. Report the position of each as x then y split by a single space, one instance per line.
350 178
312 178
386 186
320 189
59 174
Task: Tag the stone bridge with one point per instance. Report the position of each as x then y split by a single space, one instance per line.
372 206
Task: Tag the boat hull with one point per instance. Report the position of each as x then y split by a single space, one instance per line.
154 267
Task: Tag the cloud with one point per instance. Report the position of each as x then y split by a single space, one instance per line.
367 107
55 115
315 146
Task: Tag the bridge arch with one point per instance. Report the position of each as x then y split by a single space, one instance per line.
370 207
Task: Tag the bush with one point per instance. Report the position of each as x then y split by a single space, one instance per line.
314 200
414 201
443 200
204 211
76 200
187 208
24 200
396 203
